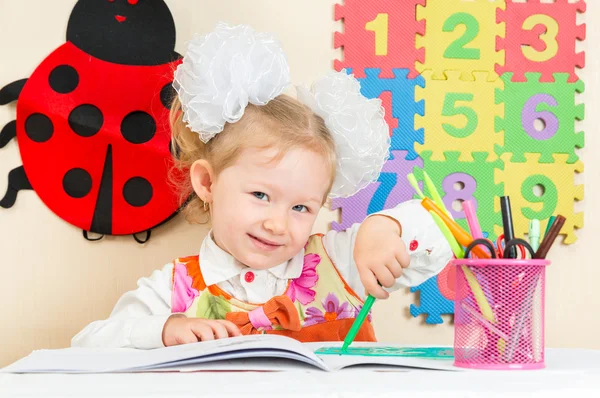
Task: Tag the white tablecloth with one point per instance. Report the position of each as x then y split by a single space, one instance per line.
569 374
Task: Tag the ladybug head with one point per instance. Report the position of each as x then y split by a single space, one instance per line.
129 32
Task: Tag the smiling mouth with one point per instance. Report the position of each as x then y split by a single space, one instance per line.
265 242
120 18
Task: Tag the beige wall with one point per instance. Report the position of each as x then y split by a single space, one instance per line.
54 282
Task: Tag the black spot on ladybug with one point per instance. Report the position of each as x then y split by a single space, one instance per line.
39 127
63 79
138 127
167 94
137 191
77 183
86 120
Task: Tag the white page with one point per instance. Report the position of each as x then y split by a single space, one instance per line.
272 355
86 360
242 365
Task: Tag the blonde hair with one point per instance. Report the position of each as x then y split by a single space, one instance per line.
283 123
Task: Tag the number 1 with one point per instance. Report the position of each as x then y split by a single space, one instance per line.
380 26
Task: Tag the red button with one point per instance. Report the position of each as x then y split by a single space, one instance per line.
413 245
249 277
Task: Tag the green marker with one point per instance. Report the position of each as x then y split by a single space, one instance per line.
413 181
358 322
435 195
550 222
534 234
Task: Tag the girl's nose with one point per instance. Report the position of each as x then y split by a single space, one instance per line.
276 223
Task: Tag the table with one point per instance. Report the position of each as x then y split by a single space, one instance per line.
570 373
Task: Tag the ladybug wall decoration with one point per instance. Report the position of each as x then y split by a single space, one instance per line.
92 120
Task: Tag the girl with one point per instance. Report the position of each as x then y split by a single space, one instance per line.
260 165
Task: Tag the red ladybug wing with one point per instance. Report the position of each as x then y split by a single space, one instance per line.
67 166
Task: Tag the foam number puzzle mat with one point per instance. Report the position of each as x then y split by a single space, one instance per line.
443 353
482 94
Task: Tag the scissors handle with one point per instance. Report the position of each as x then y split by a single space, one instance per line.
480 241
516 242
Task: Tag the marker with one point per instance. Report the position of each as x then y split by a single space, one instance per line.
460 234
356 325
413 181
435 195
507 222
534 234
550 222
546 244
471 217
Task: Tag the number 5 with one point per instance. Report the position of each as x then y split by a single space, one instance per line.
450 109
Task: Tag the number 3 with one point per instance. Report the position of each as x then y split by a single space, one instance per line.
549 38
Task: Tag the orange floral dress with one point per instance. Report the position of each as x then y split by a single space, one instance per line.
317 306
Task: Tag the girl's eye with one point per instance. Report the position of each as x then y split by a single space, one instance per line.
260 195
300 208
132 2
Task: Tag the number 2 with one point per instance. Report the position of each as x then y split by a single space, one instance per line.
457 48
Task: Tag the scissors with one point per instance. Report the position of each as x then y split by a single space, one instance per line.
501 252
520 243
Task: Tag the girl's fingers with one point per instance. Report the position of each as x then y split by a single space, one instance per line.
370 283
186 337
202 330
232 329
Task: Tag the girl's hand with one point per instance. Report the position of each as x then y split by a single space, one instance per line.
180 329
380 254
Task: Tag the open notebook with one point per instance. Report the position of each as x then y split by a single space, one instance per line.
256 352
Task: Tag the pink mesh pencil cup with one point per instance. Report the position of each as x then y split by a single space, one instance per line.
499 310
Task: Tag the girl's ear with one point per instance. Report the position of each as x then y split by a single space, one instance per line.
203 177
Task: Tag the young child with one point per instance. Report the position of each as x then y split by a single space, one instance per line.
260 165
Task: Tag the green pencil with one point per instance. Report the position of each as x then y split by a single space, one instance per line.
358 322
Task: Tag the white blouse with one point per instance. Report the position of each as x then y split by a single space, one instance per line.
138 317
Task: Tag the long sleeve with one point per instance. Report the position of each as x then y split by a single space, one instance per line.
429 251
137 319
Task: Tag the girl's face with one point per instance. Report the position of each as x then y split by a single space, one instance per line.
262 210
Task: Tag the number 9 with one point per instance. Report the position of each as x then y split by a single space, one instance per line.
549 196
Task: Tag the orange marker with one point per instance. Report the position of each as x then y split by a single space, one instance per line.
460 234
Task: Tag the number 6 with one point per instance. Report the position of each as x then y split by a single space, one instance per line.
529 116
